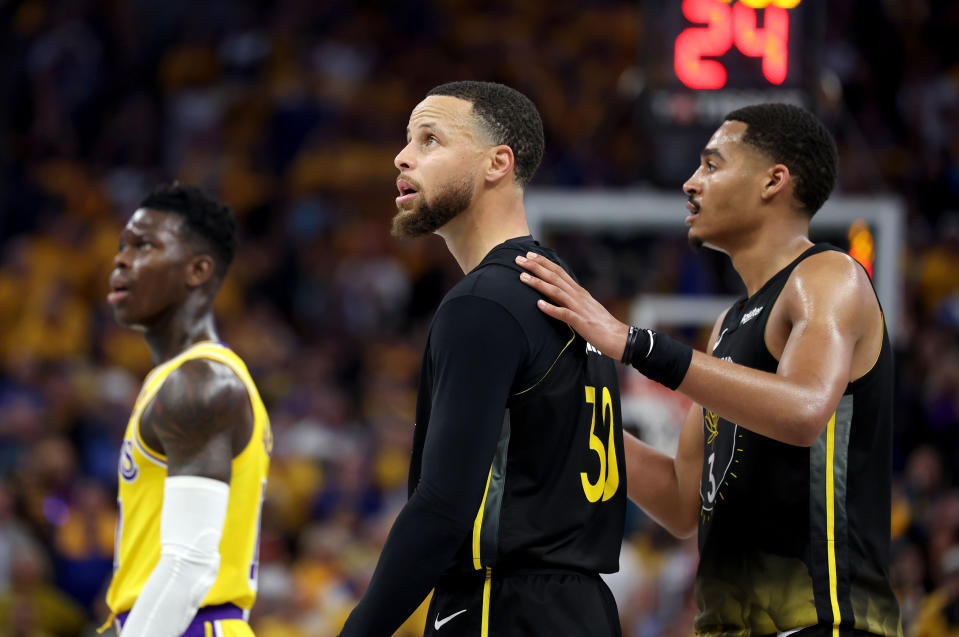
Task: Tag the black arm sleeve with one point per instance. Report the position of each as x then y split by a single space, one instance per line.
476 348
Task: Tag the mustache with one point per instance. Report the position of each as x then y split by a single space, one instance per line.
412 183
693 202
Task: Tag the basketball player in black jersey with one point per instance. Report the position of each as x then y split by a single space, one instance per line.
511 538
784 463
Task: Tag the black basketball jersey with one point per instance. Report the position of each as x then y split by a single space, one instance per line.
791 536
556 489
517 462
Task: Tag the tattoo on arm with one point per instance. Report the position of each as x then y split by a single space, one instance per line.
202 418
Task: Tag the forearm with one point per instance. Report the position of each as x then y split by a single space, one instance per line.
419 548
194 510
771 405
789 407
475 349
655 486
171 597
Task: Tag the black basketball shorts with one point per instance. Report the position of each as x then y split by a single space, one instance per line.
522 603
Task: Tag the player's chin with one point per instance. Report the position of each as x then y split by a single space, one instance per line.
125 317
402 215
404 209
408 225
695 241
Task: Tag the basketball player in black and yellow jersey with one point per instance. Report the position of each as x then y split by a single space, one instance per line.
517 483
195 455
784 465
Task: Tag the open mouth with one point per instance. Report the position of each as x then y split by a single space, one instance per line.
118 294
407 191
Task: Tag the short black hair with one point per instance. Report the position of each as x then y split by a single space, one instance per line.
792 136
204 219
508 116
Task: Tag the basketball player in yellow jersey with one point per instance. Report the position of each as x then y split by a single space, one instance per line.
195 454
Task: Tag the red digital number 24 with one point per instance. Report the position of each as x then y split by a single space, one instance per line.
727 26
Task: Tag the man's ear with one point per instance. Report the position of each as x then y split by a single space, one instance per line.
200 269
777 179
501 163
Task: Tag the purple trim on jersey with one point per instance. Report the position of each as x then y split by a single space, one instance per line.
145 450
203 615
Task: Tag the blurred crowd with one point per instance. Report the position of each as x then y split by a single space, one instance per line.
292 112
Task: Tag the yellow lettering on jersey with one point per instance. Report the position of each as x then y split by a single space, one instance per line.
607 482
612 467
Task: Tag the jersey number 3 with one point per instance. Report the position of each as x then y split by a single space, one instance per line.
608 480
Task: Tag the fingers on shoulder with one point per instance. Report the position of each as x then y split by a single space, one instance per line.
547 265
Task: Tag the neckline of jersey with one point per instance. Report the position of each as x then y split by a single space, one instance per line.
816 247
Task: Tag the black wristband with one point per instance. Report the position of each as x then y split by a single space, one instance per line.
630 345
660 358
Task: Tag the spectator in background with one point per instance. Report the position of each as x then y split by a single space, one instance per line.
939 614
33 606
291 114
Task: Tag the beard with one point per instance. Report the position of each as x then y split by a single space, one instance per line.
429 217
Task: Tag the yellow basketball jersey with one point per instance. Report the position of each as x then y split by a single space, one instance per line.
142 472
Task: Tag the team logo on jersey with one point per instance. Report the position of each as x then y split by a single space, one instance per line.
722 440
711 421
751 314
592 348
128 468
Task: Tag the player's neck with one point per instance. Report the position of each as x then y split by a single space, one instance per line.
486 224
767 253
185 326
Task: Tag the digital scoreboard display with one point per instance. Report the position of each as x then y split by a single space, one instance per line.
727 26
703 58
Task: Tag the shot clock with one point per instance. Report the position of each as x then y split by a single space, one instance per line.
727 26
704 58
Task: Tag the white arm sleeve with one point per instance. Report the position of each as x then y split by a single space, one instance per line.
191 525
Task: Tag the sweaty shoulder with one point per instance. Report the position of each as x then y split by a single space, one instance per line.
831 273
830 290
